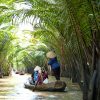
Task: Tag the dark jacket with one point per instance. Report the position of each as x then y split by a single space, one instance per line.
54 63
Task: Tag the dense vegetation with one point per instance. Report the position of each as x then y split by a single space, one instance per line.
69 27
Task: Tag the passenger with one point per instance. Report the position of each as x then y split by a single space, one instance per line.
37 75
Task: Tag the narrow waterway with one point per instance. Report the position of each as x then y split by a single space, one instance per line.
12 88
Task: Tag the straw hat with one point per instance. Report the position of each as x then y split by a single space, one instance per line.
51 54
37 68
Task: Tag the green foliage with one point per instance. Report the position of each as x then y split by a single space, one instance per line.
35 57
65 26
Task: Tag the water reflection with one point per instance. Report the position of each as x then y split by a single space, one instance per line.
12 88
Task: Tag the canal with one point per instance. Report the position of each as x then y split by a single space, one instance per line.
12 88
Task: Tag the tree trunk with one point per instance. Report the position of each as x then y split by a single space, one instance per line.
98 81
94 93
86 81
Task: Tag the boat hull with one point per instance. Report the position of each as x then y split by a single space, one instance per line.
53 86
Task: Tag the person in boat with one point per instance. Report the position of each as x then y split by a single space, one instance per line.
38 76
53 62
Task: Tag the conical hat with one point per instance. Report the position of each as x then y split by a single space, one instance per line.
37 68
51 54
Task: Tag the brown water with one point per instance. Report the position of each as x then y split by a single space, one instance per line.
12 88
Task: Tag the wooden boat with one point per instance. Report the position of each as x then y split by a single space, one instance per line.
53 86
17 72
21 73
